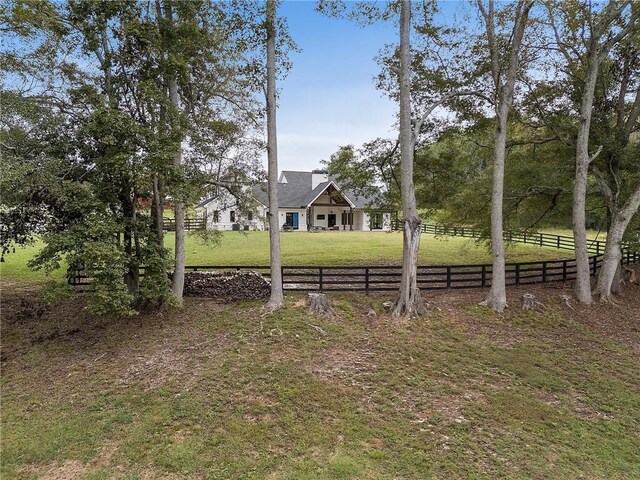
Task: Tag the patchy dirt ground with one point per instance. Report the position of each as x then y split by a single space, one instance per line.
224 391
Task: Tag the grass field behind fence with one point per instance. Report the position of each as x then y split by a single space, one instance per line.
304 248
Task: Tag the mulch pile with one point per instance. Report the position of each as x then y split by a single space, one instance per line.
226 286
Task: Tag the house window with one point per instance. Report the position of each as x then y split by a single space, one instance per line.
232 216
216 216
320 217
250 216
347 218
376 221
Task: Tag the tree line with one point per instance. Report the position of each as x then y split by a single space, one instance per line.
113 106
515 115
521 113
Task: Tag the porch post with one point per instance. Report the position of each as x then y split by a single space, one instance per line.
351 218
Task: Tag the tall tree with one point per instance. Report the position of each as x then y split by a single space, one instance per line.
422 83
126 83
276 299
409 302
166 19
616 170
585 38
504 84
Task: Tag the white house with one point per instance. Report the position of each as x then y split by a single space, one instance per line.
305 199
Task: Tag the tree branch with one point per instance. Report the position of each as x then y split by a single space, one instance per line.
595 155
603 186
418 123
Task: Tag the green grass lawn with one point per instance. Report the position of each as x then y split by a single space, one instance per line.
567 232
224 392
350 248
14 267
304 248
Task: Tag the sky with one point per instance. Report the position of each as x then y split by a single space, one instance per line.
329 97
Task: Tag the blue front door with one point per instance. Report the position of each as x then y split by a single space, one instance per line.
292 219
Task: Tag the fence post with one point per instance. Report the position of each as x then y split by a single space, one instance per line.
448 277
541 239
544 272
525 237
484 276
564 270
597 247
320 278
366 280
517 274
595 264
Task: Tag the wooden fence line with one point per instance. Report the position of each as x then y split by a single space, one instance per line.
190 224
562 242
371 278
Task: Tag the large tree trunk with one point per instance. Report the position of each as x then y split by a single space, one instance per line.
612 253
157 210
596 52
497 297
611 184
582 288
132 276
177 281
409 301
276 300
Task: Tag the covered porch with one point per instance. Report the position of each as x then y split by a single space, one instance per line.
331 210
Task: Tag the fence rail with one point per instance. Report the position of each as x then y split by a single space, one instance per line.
562 242
371 278
190 224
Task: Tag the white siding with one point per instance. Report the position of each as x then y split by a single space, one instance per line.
302 217
386 222
224 221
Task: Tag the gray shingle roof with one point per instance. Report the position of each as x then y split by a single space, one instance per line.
259 191
297 192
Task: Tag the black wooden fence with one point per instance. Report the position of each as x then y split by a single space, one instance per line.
562 242
387 278
190 224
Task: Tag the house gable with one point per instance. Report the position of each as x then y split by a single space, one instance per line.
331 188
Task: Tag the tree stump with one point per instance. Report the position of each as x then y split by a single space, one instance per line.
318 303
630 275
530 302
